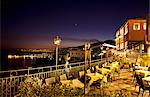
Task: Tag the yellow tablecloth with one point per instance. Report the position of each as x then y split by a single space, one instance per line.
146 73
115 66
73 83
141 68
146 79
103 70
96 76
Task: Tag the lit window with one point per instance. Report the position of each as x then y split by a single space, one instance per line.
144 26
126 29
126 45
121 31
136 26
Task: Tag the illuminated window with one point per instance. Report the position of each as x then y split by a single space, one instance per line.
136 26
126 29
121 31
121 46
144 26
126 45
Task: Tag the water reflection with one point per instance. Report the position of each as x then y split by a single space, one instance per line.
25 61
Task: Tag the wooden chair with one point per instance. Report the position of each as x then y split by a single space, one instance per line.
51 80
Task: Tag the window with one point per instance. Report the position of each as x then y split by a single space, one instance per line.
144 26
126 29
121 46
126 45
136 26
121 31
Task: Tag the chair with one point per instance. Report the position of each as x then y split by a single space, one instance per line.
97 66
149 68
109 77
88 71
81 73
98 83
63 77
51 80
137 79
101 65
82 77
134 74
144 87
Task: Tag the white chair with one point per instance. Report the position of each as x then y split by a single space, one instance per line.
63 77
50 80
81 73
88 71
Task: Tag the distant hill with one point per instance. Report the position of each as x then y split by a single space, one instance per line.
95 43
112 42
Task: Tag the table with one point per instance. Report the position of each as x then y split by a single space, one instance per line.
147 79
113 67
96 76
103 70
73 83
141 68
146 73
107 67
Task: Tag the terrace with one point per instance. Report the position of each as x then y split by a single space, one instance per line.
115 77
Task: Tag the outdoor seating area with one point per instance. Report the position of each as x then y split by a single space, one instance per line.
106 79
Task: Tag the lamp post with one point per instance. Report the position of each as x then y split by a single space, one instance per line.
101 52
107 55
87 60
87 53
57 41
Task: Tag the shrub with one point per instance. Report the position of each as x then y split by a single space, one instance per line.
33 87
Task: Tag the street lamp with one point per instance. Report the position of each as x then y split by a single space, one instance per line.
87 59
107 54
101 52
87 53
57 41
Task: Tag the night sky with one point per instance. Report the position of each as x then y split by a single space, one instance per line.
34 23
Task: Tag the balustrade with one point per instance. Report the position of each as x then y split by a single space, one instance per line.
9 83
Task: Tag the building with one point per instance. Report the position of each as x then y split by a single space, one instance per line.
76 54
131 35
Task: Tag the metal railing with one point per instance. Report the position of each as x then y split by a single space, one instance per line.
9 84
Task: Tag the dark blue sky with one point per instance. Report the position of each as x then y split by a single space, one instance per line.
34 23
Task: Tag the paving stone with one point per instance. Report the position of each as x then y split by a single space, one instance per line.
124 82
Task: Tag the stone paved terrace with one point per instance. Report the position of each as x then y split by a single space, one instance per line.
124 83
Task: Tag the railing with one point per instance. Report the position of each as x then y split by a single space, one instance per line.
9 84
